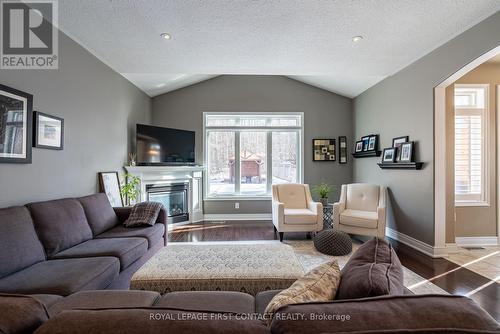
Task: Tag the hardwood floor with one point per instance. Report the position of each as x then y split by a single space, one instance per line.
449 276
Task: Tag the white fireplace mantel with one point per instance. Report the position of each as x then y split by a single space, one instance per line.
157 175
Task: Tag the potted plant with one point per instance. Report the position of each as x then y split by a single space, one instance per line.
130 188
323 190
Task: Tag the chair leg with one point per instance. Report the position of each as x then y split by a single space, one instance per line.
281 236
275 232
308 235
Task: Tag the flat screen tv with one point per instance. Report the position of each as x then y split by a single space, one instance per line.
164 146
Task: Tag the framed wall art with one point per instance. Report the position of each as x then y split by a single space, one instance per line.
343 149
397 142
48 131
324 150
16 115
109 183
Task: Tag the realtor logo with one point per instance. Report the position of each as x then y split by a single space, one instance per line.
29 35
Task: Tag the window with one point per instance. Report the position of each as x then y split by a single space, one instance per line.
471 117
245 153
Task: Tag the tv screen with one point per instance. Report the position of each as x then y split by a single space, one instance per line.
164 146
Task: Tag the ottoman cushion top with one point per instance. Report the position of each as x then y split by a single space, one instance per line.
249 268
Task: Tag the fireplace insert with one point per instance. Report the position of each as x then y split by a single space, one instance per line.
174 197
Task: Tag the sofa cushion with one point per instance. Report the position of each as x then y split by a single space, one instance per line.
216 301
63 277
149 321
105 299
60 224
153 234
361 196
300 216
387 314
359 218
20 314
19 244
47 300
100 214
293 196
373 270
263 298
127 250
318 285
143 214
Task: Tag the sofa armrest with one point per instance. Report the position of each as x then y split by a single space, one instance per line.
278 210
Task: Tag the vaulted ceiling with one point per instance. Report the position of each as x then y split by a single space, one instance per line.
307 40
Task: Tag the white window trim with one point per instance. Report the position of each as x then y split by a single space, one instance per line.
484 200
236 129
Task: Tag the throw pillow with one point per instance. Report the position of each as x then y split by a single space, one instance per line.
373 270
318 285
144 213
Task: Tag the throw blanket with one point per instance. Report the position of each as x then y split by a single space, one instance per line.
144 213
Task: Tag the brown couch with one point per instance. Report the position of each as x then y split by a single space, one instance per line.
64 246
145 312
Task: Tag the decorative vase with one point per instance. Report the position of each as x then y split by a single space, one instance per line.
132 163
324 200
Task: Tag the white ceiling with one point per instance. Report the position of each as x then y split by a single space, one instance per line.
308 40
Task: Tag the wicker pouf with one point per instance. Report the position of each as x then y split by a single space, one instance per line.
333 242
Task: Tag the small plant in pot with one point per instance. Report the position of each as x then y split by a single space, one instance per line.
130 188
323 190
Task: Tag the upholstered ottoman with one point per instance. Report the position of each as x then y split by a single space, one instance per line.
333 242
249 268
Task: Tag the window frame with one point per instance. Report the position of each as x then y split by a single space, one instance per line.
237 130
483 199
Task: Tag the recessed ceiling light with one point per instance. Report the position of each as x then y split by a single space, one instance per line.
165 35
356 39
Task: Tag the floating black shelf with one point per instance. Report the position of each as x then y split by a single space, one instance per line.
400 165
367 154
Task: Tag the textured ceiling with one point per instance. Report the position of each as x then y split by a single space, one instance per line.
308 40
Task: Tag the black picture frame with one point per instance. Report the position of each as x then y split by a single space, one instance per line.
342 149
108 186
389 159
397 142
36 131
406 152
324 150
359 146
372 143
365 140
9 96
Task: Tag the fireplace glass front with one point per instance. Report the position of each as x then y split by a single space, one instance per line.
174 198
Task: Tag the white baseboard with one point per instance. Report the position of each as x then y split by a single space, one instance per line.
238 216
412 242
476 241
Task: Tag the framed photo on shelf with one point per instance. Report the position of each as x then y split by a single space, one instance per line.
366 141
372 143
343 149
109 183
389 154
359 146
16 117
48 131
406 152
397 142
324 150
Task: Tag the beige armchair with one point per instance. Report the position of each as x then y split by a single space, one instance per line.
361 210
294 209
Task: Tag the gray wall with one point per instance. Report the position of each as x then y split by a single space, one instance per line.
403 104
100 109
327 115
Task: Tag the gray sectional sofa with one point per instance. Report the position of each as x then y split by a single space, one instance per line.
63 246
